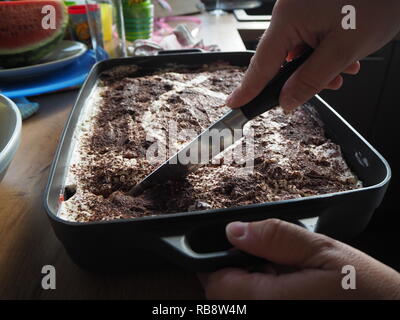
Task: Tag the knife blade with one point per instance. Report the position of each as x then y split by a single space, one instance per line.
223 133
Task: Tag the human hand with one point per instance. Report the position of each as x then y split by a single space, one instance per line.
303 265
316 23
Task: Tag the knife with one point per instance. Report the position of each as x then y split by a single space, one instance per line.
223 133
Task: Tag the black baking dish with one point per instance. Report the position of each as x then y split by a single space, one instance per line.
196 240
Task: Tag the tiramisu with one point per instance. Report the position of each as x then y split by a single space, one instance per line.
135 119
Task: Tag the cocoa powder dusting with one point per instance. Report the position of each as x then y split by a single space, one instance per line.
292 156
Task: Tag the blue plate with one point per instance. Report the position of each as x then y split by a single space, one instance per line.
71 75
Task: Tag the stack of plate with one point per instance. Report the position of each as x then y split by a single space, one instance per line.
66 66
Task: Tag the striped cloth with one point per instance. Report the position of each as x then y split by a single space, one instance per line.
26 107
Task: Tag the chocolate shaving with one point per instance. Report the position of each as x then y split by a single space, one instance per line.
292 156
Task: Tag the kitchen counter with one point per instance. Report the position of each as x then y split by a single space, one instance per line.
27 241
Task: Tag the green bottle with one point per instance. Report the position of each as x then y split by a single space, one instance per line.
138 19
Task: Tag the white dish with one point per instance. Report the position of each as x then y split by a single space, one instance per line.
66 53
10 132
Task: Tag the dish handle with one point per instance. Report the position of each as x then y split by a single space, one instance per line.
180 51
211 260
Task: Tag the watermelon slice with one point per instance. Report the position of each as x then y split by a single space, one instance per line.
23 40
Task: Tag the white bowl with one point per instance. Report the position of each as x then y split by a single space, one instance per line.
10 132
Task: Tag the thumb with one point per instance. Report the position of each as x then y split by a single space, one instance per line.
283 243
320 70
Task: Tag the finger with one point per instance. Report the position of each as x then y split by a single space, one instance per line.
235 284
271 53
352 69
282 243
314 75
336 83
295 52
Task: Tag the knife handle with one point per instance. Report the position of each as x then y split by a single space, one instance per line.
269 96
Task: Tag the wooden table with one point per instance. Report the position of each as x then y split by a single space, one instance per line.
27 241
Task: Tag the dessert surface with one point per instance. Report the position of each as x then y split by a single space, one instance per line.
133 122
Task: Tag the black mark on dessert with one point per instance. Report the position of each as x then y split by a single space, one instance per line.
69 192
